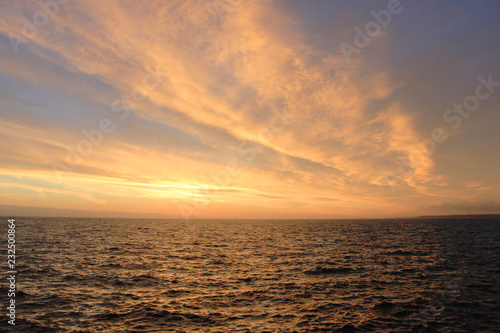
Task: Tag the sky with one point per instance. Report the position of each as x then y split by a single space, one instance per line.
249 109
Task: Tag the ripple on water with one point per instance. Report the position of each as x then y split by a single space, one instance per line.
258 276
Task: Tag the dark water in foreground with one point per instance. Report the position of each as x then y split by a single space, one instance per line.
81 275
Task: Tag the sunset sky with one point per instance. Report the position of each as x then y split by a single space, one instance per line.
249 109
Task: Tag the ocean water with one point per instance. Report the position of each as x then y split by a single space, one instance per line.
133 275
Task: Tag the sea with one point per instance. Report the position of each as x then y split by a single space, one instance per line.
153 275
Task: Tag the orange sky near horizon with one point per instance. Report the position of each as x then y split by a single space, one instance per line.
256 109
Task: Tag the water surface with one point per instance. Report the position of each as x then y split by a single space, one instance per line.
132 275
